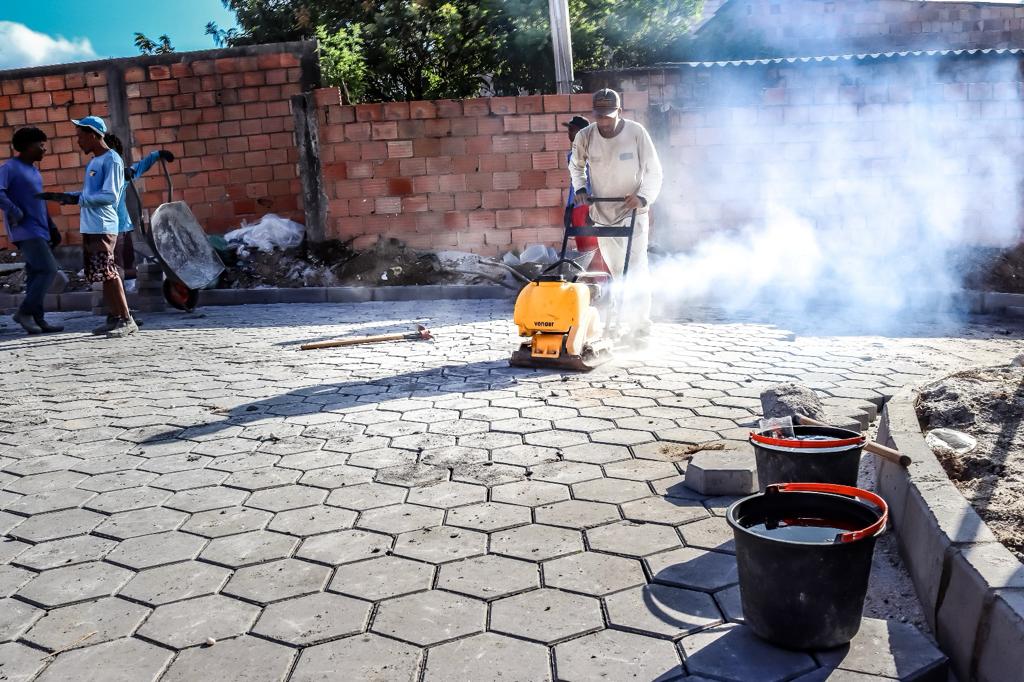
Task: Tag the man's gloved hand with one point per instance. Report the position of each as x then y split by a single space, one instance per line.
582 198
635 201
166 155
62 197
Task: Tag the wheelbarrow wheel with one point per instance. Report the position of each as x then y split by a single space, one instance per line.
180 296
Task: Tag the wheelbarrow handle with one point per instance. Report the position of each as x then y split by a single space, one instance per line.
170 183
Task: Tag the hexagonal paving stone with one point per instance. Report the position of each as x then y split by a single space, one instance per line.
37 483
488 577
122 660
271 477
713 533
363 657
71 584
277 580
566 472
117 480
440 544
387 576
488 473
130 524
175 582
663 451
596 453
623 437
245 658
367 496
16 617
640 470
336 476
555 439
153 550
733 652
412 475
672 511
246 549
611 490
490 440
615 655
312 520
453 456
66 552
400 518
662 611
286 497
56 525
577 514
593 573
546 615
206 499
693 568
344 546
536 542
448 494
187 480
429 617
489 516
482 656
229 521
127 500
187 623
530 493
730 604
49 501
886 649
632 539
106 619
313 619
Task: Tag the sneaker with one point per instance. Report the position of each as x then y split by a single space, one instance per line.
27 323
135 317
106 326
122 328
47 327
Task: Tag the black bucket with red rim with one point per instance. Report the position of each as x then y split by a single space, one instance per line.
813 454
803 551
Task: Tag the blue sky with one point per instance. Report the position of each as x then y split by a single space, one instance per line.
54 31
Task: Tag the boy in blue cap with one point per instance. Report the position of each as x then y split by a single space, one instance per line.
98 200
29 225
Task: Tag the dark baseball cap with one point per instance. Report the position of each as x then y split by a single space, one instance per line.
606 101
577 122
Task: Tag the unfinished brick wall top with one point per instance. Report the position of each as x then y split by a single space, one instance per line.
817 27
482 175
225 114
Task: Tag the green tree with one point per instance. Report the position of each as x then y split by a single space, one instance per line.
161 45
342 60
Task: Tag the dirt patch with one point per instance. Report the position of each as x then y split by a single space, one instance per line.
995 270
987 404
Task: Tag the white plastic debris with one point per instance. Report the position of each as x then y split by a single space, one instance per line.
510 259
268 233
950 440
538 253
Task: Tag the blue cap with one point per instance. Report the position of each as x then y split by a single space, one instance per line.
93 123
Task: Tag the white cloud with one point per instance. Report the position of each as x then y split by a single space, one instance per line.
21 46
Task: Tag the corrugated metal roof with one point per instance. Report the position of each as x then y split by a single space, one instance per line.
829 58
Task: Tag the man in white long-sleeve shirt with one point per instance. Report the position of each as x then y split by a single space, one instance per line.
623 163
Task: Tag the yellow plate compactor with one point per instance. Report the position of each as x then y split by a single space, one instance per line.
556 313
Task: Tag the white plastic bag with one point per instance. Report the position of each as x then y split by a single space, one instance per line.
538 253
948 439
269 233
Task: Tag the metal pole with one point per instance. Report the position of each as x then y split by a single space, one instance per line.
561 41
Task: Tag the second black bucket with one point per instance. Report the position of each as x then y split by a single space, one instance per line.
803 551
834 458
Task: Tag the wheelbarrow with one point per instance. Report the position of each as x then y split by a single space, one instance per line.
180 246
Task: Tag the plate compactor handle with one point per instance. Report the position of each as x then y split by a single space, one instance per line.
846 490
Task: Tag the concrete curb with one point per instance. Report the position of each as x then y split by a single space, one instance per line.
82 300
970 586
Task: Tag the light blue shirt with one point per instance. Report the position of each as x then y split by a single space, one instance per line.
124 221
101 192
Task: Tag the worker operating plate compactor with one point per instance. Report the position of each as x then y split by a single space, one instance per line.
559 313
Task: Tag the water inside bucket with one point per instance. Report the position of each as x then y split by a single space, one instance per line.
801 528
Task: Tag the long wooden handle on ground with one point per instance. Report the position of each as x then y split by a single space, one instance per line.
421 334
871 446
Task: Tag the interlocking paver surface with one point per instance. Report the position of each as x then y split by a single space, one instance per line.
400 511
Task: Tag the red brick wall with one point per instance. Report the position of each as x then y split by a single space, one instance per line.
819 27
225 114
482 175
49 103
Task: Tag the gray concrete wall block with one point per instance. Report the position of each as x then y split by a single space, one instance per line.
1000 645
973 573
301 295
349 294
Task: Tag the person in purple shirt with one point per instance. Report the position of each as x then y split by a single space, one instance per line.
29 225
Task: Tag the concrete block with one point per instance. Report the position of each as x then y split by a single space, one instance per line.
406 293
50 303
973 573
996 301
489 291
236 296
349 294
1001 646
9 301
722 472
75 300
301 295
